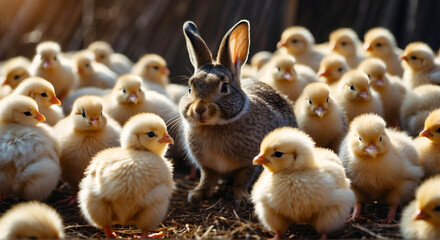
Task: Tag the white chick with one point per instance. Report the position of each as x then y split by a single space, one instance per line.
31 220
346 42
382 164
104 54
29 150
131 184
91 73
300 184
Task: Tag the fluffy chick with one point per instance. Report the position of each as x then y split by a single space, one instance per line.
43 93
31 220
320 117
29 150
355 96
332 68
382 164
49 64
428 144
91 73
299 42
260 59
15 71
421 218
346 42
85 132
131 184
287 77
416 107
380 43
118 63
390 88
420 65
299 184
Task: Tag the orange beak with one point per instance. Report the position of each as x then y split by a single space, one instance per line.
332 46
166 71
260 160
324 74
368 48
420 215
281 44
94 121
79 70
426 133
133 98
404 58
6 82
166 139
40 117
55 100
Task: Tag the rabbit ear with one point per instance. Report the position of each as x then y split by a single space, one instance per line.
197 49
234 48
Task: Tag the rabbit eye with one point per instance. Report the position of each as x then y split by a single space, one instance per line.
189 89
310 102
413 57
278 154
102 56
27 113
340 69
151 134
83 113
16 77
224 88
278 69
352 87
43 94
123 90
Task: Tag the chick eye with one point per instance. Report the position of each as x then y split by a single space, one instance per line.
310 102
351 87
123 90
43 94
413 57
294 40
340 69
360 139
224 88
436 209
369 76
16 77
189 89
151 134
378 44
343 43
83 113
140 90
87 65
156 68
55 58
380 139
102 56
27 113
438 130
278 154
327 100
278 69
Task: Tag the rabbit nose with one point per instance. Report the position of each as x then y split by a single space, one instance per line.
200 109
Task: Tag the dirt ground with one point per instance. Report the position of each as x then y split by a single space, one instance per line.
218 217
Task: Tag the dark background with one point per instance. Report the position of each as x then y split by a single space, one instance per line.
136 27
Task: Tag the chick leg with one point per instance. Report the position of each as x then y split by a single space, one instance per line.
356 213
145 234
391 214
241 180
208 180
70 200
109 232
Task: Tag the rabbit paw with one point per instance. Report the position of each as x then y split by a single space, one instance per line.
197 195
241 197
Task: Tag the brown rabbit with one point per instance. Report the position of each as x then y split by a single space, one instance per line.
225 118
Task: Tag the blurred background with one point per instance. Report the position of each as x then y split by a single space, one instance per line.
135 27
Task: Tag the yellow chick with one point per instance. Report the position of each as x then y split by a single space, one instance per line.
49 64
131 184
355 96
287 77
29 150
416 107
104 54
31 220
428 144
319 116
379 42
299 42
420 65
346 42
332 68
260 59
390 88
15 71
381 162
421 218
43 93
91 73
85 132
291 162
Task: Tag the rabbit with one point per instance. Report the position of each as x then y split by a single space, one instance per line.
225 118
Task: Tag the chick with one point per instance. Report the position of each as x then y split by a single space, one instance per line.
381 163
91 73
428 144
104 54
43 93
29 150
260 59
15 71
379 42
416 107
131 184
320 117
421 218
299 43
332 68
390 88
420 65
346 42
50 65
31 220
85 132
280 195
287 77
355 96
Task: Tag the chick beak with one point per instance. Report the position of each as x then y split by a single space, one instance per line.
368 48
133 98
320 111
55 100
94 121
40 117
166 71
332 47
426 133
260 160
287 76
46 64
378 82
166 139
281 44
364 95
372 150
324 74
79 70
404 58
420 215
6 82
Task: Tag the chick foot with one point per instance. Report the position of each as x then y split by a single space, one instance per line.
109 232
391 215
69 201
145 234
356 215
